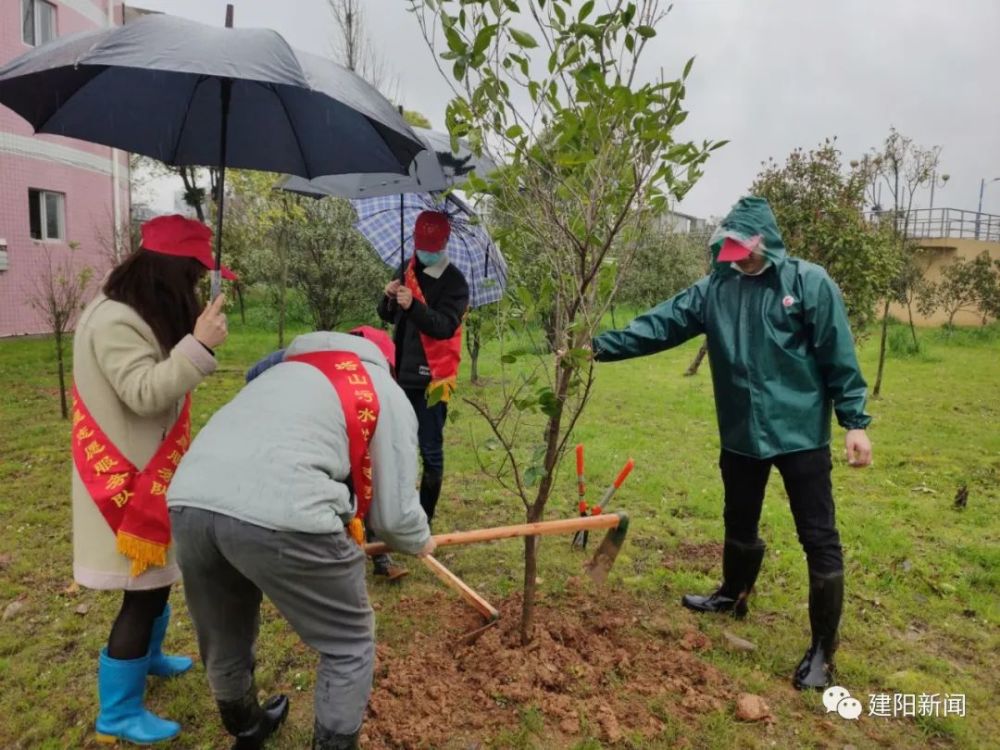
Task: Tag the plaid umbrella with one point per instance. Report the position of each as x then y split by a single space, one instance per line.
469 246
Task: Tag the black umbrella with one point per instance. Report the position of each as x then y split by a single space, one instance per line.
190 94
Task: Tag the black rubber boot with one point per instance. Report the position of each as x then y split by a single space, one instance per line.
324 739
740 566
251 723
430 490
826 602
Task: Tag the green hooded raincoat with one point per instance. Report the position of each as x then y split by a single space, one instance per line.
779 344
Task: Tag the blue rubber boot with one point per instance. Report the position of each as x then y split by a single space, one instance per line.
121 686
160 664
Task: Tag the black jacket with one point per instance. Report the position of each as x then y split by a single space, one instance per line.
447 299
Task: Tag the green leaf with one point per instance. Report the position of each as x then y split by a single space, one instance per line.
483 39
717 145
514 131
508 359
455 42
523 38
687 68
533 475
585 10
646 32
434 395
630 43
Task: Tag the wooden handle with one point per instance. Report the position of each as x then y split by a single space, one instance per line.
541 528
486 609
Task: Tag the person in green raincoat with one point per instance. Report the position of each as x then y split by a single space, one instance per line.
782 359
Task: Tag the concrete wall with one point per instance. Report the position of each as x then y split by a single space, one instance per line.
82 171
936 254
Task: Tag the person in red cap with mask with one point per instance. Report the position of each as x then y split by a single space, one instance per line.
140 348
427 308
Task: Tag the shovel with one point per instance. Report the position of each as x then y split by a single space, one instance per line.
597 568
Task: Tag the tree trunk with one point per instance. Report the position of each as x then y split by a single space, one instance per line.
913 328
613 323
239 296
881 349
530 584
693 367
537 510
62 375
474 355
283 287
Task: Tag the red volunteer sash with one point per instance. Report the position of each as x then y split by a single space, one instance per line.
443 355
361 409
133 502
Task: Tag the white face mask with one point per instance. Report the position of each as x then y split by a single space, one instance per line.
767 264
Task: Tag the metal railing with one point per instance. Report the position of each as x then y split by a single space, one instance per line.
952 223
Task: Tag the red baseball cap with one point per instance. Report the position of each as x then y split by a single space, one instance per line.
735 250
431 231
381 339
182 237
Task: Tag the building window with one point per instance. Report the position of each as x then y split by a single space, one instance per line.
38 21
47 214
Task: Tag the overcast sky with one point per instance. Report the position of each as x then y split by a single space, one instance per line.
770 75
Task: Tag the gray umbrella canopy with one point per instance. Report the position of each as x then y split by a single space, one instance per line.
190 94
157 86
433 170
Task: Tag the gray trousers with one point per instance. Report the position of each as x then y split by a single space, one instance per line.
317 582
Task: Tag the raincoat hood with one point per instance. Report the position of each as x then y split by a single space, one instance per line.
750 216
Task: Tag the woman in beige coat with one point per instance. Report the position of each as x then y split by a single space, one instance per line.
140 348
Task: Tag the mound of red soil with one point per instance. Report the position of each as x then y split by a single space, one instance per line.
595 667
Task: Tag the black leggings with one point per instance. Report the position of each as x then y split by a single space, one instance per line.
129 637
810 493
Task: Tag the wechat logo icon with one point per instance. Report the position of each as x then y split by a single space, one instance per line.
837 699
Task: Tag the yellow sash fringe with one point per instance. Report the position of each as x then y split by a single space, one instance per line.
141 552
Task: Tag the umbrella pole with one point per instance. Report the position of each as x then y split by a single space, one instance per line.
220 199
402 241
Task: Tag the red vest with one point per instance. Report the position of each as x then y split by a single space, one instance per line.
443 355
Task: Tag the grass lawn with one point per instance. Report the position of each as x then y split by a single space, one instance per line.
921 612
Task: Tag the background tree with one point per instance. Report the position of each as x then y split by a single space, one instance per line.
288 242
353 49
579 197
59 292
910 285
971 286
904 169
664 263
819 204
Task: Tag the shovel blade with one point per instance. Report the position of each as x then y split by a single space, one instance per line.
599 567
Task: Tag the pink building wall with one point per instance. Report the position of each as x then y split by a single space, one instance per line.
82 171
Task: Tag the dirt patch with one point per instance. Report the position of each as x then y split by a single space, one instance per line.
591 669
705 557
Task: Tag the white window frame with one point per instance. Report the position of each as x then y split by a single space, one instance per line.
36 22
43 214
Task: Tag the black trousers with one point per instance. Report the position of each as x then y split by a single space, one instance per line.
430 429
806 476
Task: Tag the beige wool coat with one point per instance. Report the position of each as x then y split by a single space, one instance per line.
135 393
